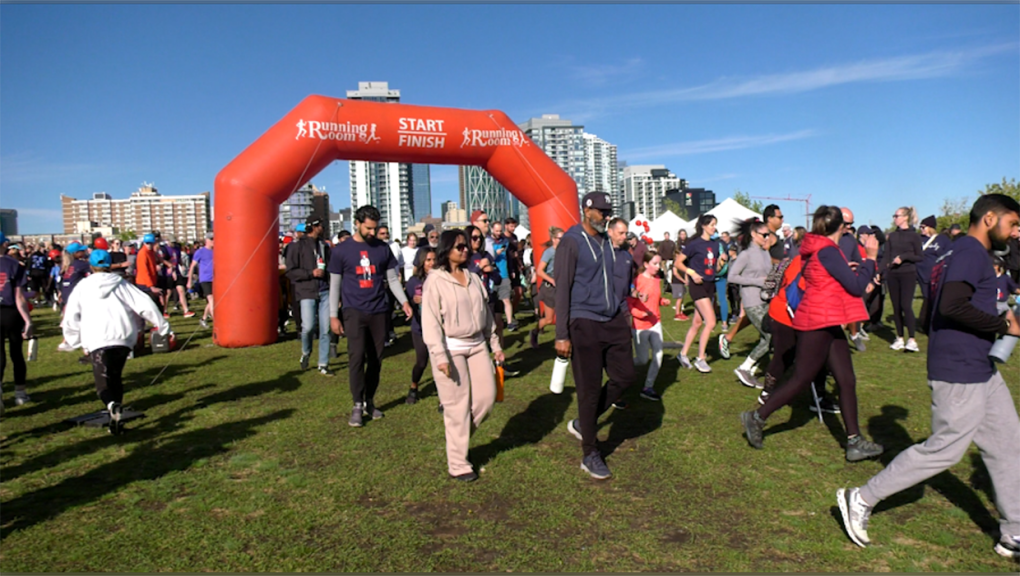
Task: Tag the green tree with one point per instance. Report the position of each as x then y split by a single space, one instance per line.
126 235
957 211
1009 188
744 199
674 207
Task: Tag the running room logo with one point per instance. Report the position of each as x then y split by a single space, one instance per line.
500 137
365 269
341 131
421 133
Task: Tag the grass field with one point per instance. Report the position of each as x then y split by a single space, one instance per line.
245 463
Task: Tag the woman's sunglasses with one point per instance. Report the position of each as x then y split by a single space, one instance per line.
461 246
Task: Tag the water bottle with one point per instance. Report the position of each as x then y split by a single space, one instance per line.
1002 349
33 349
499 381
559 375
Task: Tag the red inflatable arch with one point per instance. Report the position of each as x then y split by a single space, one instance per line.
320 130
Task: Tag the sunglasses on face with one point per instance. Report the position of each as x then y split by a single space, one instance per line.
461 247
476 238
484 221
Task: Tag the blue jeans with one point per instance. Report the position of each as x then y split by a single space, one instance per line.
308 321
720 294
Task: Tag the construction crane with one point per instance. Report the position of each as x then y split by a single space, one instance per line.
806 201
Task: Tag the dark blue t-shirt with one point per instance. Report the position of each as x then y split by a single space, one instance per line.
955 354
70 278
37 262
12 274
1004 287
363 266
413 288
701 257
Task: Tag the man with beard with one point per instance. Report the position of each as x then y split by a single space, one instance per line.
970 399
590 328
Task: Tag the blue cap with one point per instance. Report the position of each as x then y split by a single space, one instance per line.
300 227
149 239
100 259
3 238
75 247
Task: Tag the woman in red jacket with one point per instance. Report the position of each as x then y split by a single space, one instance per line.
832 297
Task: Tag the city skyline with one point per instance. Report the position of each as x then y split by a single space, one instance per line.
865 105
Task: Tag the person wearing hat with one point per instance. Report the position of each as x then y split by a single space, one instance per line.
591 327
15 321
203 262
146 274
307 260
76 270
955 231
933 247
100 317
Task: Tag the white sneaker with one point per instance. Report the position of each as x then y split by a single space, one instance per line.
684 361
912 346
65 347
702 365
855 515
21 398
897 344
864 335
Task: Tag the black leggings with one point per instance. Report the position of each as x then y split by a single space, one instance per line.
901 291
815 350
11 326
784 350
421 357
108 371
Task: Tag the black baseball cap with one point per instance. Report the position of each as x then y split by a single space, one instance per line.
597 200
312 221
956 227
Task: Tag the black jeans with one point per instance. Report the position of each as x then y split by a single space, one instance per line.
11 326
421 357
108 371
901 292
598 346
366 340
816 349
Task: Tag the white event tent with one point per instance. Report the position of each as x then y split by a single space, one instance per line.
729 213
666 222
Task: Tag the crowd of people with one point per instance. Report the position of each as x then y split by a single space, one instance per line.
814 296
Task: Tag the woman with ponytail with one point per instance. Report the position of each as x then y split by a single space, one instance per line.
903 250
698 263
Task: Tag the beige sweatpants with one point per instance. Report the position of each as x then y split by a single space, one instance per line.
467 398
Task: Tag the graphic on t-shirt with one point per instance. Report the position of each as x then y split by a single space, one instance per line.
3 280
365 271
709 262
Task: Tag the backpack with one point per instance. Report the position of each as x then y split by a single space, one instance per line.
774 279
794 294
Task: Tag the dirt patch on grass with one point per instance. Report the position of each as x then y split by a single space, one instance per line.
152 505
678 537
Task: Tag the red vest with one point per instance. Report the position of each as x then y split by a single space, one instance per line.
826 303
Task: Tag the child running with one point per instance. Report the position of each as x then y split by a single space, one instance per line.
647 320
99 317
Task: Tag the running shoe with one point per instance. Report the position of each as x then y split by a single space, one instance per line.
857 449
1008 546
724 346
620 405
702 366
650 394
858 341
189 314
304 361
897 344
325 371
573 429
468 477
116 425
754 428
864 335
65 347
685 361
21 398
855 513
534 338
373 412
356 416
746 378
412 396
911 346
512 326
826 404
681 317
594 465
202 322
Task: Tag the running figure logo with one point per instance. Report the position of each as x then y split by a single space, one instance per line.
301 129
467 137
365 271
370 137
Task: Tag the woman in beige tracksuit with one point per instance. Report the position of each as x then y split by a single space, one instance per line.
456 322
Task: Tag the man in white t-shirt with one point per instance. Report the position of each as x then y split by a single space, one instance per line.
409 251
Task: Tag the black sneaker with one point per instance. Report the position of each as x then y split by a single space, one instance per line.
620 405
469 477
412 396
827 406
754 428
650 394
512 326
857 449
594 465
116 426
511 373
372 412
304 361
325 371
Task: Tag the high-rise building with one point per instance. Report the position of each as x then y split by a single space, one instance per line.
8 221
480 191
184 218
320 205
401 192
693 201
296 209
646 187
601 173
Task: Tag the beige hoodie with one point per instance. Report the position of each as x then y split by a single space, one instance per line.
451 310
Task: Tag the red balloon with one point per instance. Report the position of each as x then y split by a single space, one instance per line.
646 227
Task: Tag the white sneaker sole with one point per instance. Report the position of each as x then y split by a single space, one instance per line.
748 383
574 431
594 475
844 510
1005 552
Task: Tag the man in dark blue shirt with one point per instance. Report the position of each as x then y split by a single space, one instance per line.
591 327
970 400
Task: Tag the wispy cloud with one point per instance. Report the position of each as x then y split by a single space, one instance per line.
714 145
600 75
27 168
900 68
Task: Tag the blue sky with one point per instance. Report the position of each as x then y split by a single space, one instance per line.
871 106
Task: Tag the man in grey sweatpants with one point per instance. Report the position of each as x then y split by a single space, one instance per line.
970 401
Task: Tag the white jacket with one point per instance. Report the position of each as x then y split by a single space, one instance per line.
103 310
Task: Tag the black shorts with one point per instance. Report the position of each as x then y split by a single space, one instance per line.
547 295
164 282
700 291
206 289
181 280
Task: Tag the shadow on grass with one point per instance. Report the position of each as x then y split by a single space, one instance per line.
542 416
148 461
886 429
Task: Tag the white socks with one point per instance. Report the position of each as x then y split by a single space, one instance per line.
748 365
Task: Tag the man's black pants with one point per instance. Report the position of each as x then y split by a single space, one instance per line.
598 346
366 340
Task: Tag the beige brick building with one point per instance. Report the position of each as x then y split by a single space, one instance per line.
183 218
